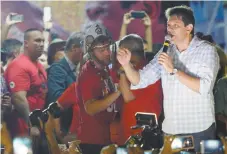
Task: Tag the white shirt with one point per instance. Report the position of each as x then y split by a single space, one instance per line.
186 111
71 65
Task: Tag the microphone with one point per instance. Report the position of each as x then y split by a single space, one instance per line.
166 44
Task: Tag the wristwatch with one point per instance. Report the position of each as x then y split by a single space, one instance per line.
174 71
120 72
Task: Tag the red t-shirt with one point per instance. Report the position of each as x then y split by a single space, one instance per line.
148 99
24 75
67 99
94 129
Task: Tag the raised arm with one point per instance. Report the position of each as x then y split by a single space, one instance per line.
148 32
6 27
126 20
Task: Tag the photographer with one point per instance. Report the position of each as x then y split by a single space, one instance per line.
188 71
147 23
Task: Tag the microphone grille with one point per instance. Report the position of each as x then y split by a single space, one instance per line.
167 38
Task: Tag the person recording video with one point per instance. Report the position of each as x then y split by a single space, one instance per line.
128 17
188 70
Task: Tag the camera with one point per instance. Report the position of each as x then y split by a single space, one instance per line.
54 110
151 135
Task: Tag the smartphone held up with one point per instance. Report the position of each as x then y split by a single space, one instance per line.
17 17
138 14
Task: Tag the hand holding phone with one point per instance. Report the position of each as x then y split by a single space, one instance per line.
17 17
146 20
138 14
127 18
14 18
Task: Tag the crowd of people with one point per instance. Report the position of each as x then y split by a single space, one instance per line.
99 90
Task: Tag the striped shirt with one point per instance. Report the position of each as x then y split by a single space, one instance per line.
186 111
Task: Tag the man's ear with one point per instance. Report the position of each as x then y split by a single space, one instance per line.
189 28
25 43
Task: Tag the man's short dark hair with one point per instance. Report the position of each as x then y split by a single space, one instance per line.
184 12
75 38
134 43
26 33
9 46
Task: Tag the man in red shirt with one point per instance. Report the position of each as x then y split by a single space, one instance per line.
148 99
26 79
96 92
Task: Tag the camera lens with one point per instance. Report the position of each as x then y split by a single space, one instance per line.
33 117
55 110
44 116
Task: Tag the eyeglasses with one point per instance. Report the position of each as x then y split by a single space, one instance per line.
102 48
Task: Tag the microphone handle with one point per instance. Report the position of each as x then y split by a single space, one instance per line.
165 48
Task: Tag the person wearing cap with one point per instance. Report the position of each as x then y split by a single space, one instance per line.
63 73
26 79
96 92
55 51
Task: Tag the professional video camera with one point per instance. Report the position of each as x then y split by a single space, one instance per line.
44 120
151 136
